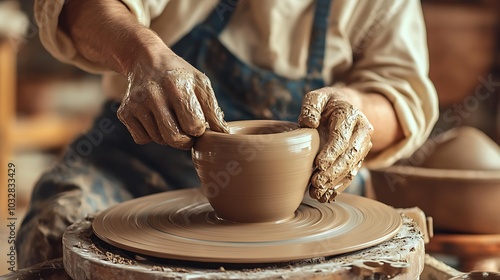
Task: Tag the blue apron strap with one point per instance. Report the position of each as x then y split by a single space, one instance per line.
318 39
220 15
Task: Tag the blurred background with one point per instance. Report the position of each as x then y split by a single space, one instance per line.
44 104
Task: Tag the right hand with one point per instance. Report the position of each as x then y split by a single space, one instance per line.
169 102
346 133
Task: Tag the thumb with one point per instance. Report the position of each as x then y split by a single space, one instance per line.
313 105
210 107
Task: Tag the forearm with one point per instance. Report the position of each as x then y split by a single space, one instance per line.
380 112
105 32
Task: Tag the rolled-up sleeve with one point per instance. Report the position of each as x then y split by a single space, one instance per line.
60 45
394 63
145 10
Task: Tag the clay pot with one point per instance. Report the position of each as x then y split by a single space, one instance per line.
259 172
455 178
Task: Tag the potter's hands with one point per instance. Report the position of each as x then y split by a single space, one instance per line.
169 102
346 133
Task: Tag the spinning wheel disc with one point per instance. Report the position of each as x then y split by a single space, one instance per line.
182 225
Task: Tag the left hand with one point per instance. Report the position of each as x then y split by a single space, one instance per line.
346 133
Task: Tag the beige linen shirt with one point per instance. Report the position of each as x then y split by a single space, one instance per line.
371 46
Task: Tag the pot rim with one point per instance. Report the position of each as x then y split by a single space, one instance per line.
296 130
450 174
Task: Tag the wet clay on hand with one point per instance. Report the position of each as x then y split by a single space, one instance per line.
346 133
258 172
170 107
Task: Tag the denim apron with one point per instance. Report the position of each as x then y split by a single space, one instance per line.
105 166
245 91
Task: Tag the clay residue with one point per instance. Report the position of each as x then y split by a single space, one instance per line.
110 257
114 258
87 243
169 269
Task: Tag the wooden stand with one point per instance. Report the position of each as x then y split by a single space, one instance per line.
54 269
87 257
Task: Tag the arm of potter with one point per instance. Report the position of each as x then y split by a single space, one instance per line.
390 81
168 101
107 33
387 101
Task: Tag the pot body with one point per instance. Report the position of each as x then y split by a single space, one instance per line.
259 172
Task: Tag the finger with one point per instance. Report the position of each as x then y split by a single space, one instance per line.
149 123
343 184
138 132
186 106
327 192
321 194
133 125
321 187
169 129
347 165
343 119
327 196
313 105
363 121
338 169
210 106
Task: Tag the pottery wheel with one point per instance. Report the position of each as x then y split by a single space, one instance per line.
182 225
